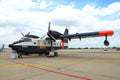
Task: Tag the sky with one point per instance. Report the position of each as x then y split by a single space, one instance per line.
79 16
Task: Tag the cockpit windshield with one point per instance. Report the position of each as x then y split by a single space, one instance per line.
25 39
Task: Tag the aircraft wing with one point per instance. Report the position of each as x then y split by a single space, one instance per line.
89 34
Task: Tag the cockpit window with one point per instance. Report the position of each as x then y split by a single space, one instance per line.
25 40
28 39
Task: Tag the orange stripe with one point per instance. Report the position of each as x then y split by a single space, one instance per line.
108 32
62 42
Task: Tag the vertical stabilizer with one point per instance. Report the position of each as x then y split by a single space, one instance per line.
66 31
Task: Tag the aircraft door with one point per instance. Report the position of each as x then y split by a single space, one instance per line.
38 42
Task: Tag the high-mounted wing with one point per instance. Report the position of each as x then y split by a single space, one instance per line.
90 34
55 35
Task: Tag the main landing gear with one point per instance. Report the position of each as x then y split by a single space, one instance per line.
54 54
19 55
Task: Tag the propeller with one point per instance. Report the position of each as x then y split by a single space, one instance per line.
49 26
28 33
25 34
51 36
22 34
43 36
49 33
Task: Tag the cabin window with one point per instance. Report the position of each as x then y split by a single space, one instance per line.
38 42
44 43
54 43
34 42
48 42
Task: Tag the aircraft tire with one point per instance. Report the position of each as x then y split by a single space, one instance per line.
47 53
20 56
55 53
40 54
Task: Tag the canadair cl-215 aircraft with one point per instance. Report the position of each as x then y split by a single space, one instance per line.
31 44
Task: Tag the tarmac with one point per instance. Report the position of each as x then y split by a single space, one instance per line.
71 64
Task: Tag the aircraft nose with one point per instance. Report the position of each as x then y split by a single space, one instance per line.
10 45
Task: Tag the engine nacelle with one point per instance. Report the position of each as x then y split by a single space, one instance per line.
106 43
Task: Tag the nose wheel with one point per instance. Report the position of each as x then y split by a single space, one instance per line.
19 55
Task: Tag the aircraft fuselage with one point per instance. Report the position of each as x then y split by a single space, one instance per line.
31 45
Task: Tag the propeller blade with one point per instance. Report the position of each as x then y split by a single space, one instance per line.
49 26
51 36
28 33
49 33
22 34
43 36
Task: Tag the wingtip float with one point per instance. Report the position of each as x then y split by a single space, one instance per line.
107 32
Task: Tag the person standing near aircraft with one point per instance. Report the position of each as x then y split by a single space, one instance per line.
2 47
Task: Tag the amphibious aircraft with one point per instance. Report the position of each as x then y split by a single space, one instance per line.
32 44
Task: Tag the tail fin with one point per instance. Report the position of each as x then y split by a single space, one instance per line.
66 31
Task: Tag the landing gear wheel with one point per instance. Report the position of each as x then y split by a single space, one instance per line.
40 54
20 56
47 53
55 53
106 43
